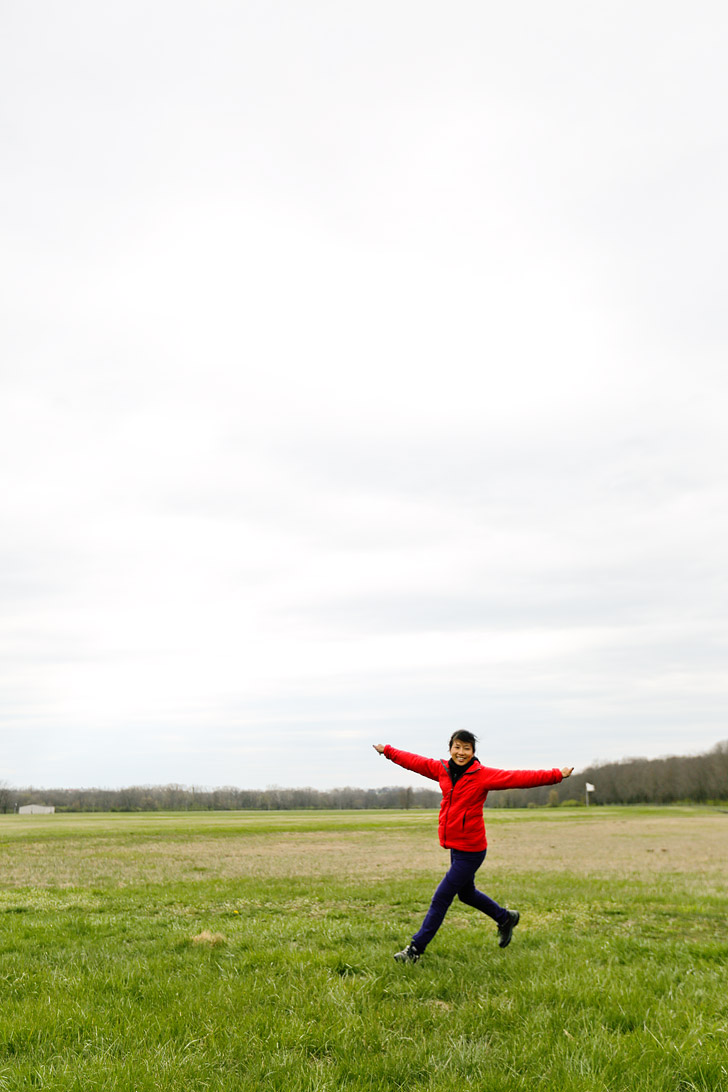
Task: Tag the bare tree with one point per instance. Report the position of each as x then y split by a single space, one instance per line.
7 801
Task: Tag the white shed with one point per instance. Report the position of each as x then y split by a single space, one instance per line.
35 809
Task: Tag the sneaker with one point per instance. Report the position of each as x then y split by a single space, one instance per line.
407 955
506 930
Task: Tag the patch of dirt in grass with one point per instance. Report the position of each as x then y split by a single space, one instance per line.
603 845
686 844
361 854
208 939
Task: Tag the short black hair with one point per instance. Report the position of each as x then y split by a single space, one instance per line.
465 737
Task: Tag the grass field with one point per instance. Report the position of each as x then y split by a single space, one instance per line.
253 951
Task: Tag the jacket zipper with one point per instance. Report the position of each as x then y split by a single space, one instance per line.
447 812
452 790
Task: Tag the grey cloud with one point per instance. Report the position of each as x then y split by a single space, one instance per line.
528 604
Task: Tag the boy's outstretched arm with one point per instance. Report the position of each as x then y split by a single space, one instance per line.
428 767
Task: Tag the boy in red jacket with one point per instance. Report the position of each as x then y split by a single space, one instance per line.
465 785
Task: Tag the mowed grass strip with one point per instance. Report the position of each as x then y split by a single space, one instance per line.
283 979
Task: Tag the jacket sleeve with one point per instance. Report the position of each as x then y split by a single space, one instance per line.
428 767
519 779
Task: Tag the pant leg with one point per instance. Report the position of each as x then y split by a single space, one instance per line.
472 897
458 878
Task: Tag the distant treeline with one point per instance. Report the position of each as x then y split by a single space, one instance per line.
228 798
690 779
696 779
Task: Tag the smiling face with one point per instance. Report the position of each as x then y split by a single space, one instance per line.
461 752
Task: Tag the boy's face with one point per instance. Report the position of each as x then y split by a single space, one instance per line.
461 752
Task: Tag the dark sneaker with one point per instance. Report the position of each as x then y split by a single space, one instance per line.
407 955
505 931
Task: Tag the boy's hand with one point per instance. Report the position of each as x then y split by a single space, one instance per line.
567 771
379 747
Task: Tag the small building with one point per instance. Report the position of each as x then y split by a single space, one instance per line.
35 809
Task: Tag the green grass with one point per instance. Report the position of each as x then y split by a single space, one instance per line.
612 982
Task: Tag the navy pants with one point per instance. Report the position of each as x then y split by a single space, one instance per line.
458 880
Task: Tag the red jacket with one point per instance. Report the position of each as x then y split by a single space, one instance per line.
461 823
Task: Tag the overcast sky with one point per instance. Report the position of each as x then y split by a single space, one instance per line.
364 377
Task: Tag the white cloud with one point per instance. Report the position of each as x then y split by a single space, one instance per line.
362 370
